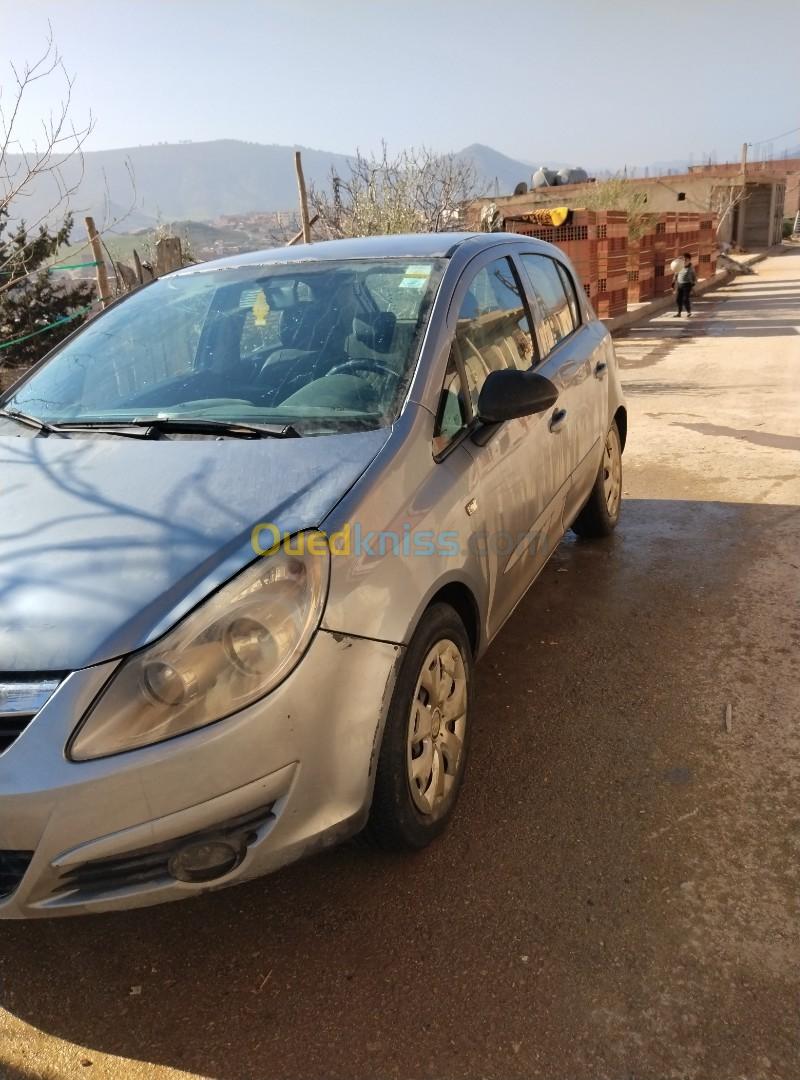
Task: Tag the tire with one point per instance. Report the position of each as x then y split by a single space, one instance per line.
600 512
418 781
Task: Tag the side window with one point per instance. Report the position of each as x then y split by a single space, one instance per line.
262 321
142 358
260 329
572 297
453 410
548 284
493 330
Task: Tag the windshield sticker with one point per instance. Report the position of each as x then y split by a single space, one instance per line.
415 277
260 309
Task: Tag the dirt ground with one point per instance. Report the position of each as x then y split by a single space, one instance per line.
618 896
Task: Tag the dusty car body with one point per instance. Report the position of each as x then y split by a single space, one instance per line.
431 500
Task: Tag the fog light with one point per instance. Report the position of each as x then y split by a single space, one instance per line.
205 860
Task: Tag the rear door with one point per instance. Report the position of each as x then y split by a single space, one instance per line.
569 345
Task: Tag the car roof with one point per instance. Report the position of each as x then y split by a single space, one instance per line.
412 245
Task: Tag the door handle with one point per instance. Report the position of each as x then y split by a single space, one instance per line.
600 370
557 420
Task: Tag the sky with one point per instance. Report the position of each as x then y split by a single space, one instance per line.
599 83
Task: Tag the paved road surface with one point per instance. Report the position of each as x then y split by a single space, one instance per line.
618 897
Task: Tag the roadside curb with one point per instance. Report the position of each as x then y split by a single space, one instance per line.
647 312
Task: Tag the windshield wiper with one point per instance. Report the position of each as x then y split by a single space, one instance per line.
182 425
29 421
203 426
142 426
55 429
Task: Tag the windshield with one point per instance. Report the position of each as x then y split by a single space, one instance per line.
323 346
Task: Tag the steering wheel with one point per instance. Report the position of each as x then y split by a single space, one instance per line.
372 366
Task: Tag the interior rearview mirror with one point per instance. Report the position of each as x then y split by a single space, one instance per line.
508 393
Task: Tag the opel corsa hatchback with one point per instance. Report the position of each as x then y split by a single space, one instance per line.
257 522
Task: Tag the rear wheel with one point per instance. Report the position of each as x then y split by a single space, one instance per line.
600 512
424 750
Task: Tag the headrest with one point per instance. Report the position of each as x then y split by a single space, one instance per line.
298 326
375 329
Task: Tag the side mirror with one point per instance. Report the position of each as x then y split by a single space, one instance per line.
508 393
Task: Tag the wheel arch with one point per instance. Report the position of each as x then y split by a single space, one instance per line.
621 420
461 598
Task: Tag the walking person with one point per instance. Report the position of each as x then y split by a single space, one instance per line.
684 281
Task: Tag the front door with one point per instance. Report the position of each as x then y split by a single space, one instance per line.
521 486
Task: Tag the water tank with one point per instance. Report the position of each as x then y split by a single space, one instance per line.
544 178
572 176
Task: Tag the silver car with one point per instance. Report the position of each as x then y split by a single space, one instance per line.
257 522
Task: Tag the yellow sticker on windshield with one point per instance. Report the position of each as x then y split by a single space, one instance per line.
260 309
415 277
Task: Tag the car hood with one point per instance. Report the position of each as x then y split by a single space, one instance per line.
106 542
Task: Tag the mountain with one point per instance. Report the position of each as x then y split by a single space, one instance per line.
206 180
490 166
203 181
200 180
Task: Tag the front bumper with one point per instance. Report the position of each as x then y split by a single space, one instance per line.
297 767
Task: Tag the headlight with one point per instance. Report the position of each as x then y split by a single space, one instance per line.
229 652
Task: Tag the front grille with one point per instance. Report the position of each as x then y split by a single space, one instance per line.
13 865
151 864
21 698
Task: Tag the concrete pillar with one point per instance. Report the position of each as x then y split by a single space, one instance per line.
773 239
742 208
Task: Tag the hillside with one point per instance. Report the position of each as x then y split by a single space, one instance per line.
205 180
201 241
492 166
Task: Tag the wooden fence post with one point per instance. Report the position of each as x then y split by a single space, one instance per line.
103 289
298 237
128 275
168 255
301 189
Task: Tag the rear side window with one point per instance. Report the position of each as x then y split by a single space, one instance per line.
262 320
572 297
560 317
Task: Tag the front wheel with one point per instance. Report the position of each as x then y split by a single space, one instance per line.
424 750
600 512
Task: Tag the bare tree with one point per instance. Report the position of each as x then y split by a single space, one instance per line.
416 190
54 159
60 139
723 200
618 193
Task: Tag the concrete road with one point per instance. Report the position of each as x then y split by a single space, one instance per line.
618 896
